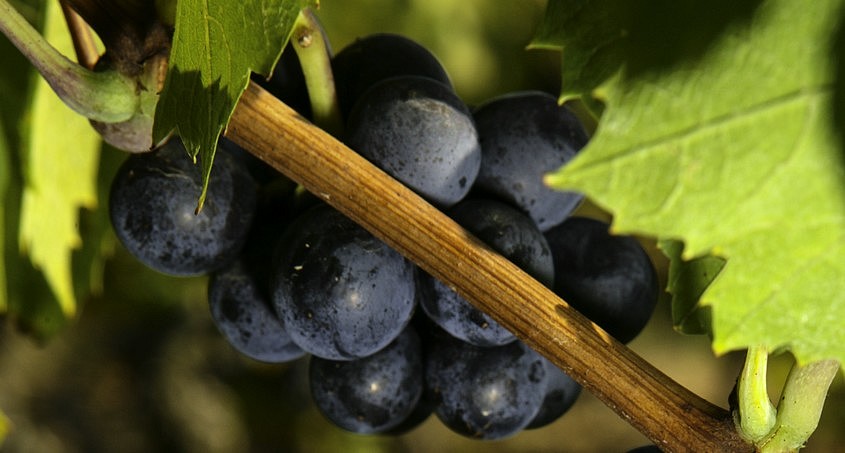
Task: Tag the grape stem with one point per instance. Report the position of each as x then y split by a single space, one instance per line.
755 413
105 96
673 417
312 49
800 405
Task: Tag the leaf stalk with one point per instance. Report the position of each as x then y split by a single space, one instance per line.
800 406
755 413
312 48
105 96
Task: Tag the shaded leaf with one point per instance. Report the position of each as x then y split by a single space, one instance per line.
598 37
590 38
686 283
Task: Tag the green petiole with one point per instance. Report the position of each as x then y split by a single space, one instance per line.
800 405
755 414
787 428
105 96
309 43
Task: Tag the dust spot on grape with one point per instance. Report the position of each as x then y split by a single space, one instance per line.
537 372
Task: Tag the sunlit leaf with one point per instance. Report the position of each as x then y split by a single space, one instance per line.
734 150
216 45
60 168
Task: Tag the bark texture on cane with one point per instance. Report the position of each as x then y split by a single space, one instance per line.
669 414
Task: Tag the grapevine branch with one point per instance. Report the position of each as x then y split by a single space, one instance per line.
673 417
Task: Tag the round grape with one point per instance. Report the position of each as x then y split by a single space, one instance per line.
418 131
152 208
485 393
523 136
561 393
377 57
373 394
341 292
609 279
246 320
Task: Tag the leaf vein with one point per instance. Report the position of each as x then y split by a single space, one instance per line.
714 123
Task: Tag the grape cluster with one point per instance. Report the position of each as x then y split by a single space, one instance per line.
388 344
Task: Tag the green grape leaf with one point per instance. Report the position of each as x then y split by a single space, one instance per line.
735 148
590 38
686 283
16 76
29 299
215 46
598 37
60 169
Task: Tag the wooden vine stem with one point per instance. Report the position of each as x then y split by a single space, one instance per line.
673 417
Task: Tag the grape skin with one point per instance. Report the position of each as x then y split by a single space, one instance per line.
373 394
561 393
418 131
152 207
341 292
246 320
610 279
378 57
484 393
523 136
510 233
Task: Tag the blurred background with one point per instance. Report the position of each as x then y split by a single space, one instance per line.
143 369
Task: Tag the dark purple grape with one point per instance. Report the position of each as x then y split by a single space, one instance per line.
524 136
646 449
561 393
261 171
373 394
246 320
341 292
288 82
484 393
418 131
374 58
421 412
509 232
609 279
152 208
